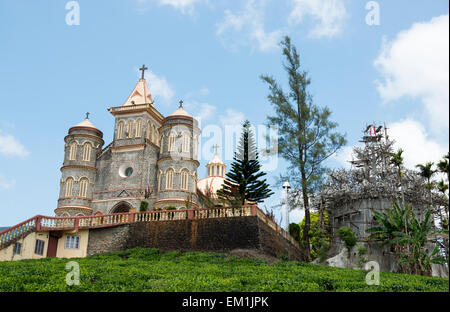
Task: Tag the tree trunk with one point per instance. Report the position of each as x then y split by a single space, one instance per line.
307 215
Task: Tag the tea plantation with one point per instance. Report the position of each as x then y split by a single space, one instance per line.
152 270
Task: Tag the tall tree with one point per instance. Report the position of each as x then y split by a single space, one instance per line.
305 133
444 167
245 179
426 171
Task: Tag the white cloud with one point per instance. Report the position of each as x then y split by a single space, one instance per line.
415 64
329 14
201 111
6 183
343 156
10 146
184 6
231 117
418 148
159 87
250 24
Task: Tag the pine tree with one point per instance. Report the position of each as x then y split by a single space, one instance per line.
306 135
245 179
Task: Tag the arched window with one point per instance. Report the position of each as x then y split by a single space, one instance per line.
195 148
159 181
169 179
69 186
162 145
184 179
130 129
138 128
149 131
172 142
154 134
186 142
73 151
84 182
120 130
194 185
87 152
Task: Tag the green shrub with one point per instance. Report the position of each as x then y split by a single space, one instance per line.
147 269
348 237
143 206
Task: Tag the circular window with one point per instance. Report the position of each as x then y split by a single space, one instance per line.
128 171
125 171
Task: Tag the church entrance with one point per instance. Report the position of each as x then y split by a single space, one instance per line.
121 208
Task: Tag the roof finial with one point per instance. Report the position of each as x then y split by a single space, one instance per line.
87 115
215 148
143 69
181 103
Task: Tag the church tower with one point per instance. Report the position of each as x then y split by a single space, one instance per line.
215 177
83 143
127 168
177 164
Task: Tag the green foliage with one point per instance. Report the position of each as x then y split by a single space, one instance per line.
170 208
245 179
319 237
294 231
362 259
306 135
409 235
143 206
142 269
348 237
427 172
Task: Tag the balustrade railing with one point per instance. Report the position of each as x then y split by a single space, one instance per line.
44 223
14 233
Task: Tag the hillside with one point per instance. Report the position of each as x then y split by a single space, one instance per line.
152 270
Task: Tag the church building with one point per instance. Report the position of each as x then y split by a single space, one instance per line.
151 157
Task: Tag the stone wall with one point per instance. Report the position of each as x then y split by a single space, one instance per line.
220 235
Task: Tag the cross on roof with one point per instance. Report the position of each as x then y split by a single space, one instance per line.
215 148
143 69
181 103
87 115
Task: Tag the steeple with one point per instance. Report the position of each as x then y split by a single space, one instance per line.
140 93
215 167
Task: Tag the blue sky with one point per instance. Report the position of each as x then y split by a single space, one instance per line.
211 54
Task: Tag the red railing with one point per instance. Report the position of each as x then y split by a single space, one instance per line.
14 233
44 223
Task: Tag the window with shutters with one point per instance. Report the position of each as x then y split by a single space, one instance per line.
69 186
73 151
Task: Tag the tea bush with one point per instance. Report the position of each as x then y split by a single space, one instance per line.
146 269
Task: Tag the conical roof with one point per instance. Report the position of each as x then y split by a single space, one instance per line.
216 160
86 123
139 95
180 112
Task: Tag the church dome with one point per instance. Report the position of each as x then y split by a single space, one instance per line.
180 112
210 184
86 125
216 161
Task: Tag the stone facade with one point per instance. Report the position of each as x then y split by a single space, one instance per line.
151 158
